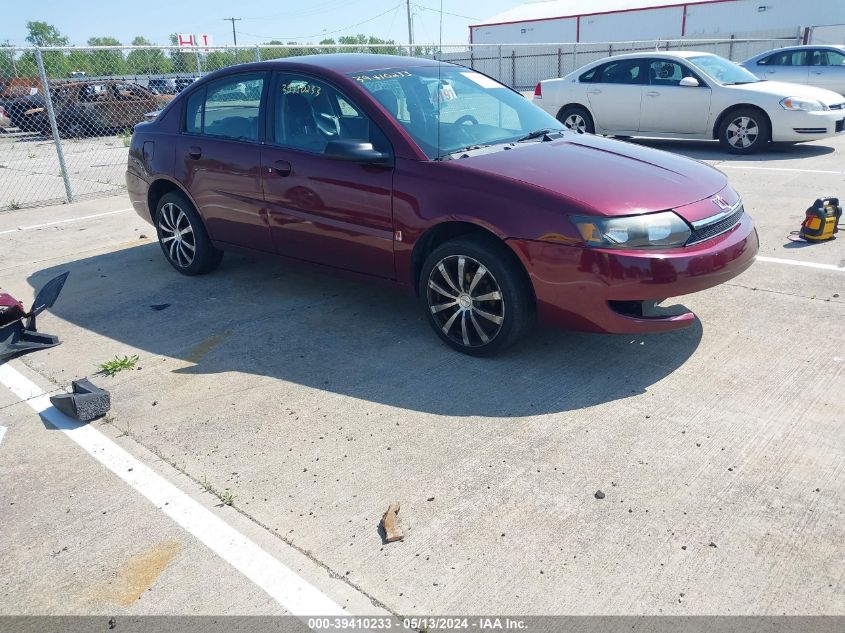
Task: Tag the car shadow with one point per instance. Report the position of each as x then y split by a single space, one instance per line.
264 318
711 150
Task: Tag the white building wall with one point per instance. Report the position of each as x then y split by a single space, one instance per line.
724 18
648 24
541 31
703 20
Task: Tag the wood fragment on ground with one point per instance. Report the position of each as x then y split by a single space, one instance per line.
390 524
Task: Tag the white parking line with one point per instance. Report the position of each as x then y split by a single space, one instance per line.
291 591
41 226
795 262
788 169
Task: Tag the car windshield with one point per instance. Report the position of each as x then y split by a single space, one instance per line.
723 71
454 108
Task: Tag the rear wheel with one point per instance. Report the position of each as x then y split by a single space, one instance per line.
182 236
745 131
476 296
577 119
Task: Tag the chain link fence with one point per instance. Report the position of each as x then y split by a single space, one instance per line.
67 114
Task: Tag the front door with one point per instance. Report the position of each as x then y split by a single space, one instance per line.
218 159
789 65
670 108
321 210
615 93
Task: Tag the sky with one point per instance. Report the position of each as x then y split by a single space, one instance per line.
260 20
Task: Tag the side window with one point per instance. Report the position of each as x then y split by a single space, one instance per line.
93 93
662 72
625 71
226 108
786 58
309 113
827 58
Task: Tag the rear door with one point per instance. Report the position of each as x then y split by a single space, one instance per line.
670 108
789 65
827 69
615 93
218 158
321 210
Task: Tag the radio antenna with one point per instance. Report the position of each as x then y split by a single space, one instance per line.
439 65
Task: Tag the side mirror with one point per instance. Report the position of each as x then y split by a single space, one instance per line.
357 152
689 82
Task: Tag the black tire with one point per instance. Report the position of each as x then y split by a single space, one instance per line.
745 131
466 321
577 119
175 214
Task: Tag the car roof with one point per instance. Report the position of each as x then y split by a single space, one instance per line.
797 47
353 62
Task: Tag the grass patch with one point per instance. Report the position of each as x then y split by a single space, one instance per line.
226 497
117 364
13 205
126 137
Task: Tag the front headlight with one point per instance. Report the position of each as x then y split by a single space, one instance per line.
807 105
652 230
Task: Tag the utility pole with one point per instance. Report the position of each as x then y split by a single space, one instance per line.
234 32
410 27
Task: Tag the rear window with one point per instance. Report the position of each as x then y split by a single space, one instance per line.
226 108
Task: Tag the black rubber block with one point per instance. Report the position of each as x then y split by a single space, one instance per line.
87 402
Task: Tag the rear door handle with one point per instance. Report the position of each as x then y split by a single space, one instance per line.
594 91
652 93
194 152
817 72
282 167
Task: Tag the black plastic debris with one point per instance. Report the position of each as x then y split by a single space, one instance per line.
158 307
18 336
87 402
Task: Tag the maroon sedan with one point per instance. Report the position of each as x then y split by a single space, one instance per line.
443 182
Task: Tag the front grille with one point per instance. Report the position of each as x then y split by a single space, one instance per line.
709 231
840 125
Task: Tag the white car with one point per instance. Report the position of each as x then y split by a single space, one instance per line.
692 96
819 66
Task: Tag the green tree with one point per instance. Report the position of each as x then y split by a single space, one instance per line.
183 62
106 62
43 34
148 61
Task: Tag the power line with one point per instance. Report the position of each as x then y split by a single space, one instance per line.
234 32
345 28
455 15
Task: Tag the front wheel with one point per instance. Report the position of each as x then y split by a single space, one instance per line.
476 296
745 131
182 236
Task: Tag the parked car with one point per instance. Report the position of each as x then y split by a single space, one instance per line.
690 95
819 66
94 107
163 86
183 82
440 181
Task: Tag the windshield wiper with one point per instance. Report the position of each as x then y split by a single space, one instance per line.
539 134
460 150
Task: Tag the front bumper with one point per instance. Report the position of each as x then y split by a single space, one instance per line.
790 126
593 289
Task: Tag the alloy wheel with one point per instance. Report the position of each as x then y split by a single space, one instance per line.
177 235
466 301
576 123
743 132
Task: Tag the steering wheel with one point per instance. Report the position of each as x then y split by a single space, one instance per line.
467 118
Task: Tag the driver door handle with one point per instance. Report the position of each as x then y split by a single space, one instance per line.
194 152
282 167
594 91
652 93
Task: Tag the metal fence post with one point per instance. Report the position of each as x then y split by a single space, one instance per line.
575 56
731 49
51 115
559 55
513 69
500 63
257 53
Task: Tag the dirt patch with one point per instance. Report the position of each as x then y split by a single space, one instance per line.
139 573
198 351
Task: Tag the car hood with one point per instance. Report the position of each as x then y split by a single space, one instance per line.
782 89
604 176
